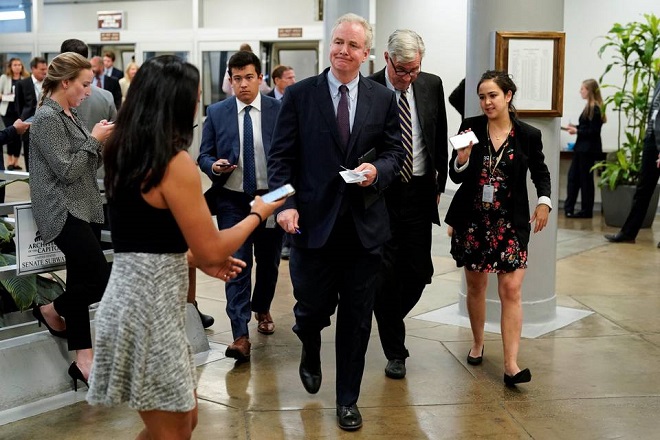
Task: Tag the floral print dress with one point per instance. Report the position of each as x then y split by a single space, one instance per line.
490 244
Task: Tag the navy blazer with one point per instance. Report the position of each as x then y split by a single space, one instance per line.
220 137
528 156
432 116
308 153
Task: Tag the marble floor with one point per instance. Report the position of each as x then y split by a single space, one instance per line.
596 378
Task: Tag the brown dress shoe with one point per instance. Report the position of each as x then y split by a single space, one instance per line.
239 349
265 324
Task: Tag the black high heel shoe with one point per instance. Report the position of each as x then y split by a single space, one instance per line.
475 360
36 312
523 376
77 375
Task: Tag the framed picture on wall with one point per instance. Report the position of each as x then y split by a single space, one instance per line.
535 61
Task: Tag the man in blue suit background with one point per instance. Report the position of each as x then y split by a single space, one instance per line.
235 143
337 120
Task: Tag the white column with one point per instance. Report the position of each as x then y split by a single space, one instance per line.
484 18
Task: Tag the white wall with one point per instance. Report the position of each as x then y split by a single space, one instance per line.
585 21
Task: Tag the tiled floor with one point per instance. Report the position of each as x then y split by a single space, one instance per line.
596 378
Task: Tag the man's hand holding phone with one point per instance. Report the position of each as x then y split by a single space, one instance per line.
222 166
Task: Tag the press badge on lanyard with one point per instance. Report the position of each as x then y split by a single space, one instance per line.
488 194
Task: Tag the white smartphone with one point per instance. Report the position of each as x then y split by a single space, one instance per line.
463 140
277 194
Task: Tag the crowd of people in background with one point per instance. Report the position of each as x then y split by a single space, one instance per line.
390 130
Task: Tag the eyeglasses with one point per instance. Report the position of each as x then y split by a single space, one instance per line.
403 72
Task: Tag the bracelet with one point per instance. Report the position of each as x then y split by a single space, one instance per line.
261 219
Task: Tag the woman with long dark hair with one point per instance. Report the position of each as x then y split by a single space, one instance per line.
160 225
588 149
490 213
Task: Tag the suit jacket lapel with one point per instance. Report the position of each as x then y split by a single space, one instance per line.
364 102
232 129
327 108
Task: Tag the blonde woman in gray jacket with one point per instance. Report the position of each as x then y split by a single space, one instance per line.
67 204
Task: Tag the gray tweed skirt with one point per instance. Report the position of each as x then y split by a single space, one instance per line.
141 353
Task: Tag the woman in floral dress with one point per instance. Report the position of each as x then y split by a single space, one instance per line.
490 213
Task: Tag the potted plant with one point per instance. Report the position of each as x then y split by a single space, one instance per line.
634 49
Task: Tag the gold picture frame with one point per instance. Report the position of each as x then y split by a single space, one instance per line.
535 60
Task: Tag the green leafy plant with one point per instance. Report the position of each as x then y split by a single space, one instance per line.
635 52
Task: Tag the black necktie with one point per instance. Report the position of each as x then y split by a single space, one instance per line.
249 173
343 120
406 137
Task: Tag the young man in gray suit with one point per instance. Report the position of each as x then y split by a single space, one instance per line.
412 200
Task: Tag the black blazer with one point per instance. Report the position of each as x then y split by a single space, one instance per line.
111 84
26 98
528 156
432 115
588 134
271 93
307 152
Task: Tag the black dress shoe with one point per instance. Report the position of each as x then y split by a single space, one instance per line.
569 214
396 369
582 214
310 372
349 417
619 238
207 320
475 360
523 376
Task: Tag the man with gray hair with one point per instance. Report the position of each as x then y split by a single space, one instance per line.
329 123
412 200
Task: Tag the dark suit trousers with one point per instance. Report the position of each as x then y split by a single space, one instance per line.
648 180
407 267
26 149
581 179
265 245
87 274
341 275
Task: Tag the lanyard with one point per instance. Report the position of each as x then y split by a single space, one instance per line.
491 169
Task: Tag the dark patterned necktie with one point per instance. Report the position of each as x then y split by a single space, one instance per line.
406 137
249 173
343 121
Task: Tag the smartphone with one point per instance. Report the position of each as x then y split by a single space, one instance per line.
224 165
29 120
463 140
278 194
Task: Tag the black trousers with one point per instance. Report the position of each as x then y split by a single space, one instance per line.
26 149
87 274
648 180
581 179
341 275
407 266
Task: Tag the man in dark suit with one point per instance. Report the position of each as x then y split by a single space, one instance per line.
412 200
28 93
283 77
235 143
109 66
106 82
335 121
648 179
